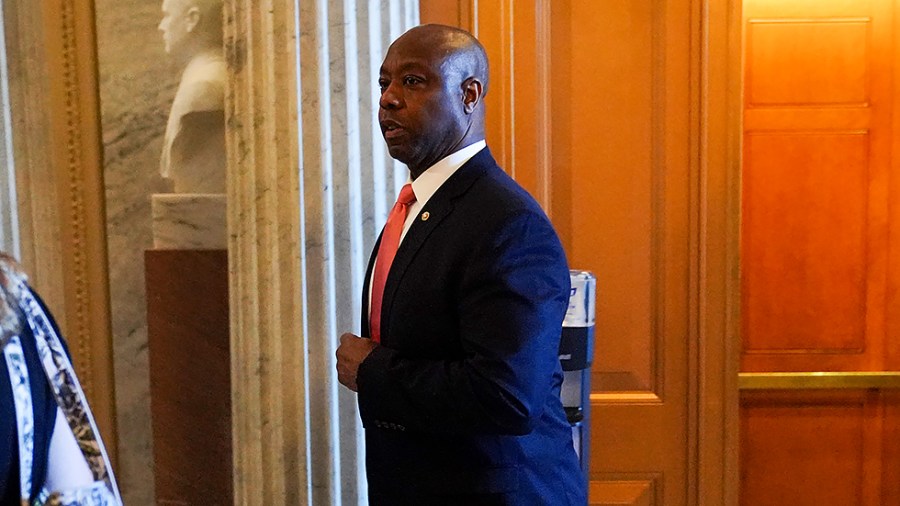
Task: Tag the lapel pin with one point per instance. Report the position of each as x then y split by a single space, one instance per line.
425 216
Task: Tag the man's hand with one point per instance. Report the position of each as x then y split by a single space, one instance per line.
352 351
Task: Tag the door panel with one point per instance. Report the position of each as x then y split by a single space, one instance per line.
781 72
818 285
805 243
812 449
616 183
636 493
817 163
890 441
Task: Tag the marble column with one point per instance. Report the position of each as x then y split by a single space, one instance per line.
309 187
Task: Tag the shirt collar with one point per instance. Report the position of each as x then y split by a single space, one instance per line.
429 181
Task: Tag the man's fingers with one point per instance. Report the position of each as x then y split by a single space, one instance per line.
346 365
345 337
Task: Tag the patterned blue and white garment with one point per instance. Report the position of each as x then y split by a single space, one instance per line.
50 449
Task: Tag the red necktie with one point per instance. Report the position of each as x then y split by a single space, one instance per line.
390 241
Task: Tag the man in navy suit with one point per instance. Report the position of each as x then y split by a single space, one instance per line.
457 374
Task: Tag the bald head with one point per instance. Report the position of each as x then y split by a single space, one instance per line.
460 53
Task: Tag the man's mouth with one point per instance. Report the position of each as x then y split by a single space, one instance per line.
391 129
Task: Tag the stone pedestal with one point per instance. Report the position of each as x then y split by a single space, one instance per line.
189 221
188 340
190 380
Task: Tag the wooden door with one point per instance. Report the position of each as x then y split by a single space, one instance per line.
820 253
594 107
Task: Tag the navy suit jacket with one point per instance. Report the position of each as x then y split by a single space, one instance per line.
460 403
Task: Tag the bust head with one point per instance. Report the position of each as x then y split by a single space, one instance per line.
191 26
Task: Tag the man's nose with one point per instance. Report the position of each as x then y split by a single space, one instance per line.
390 99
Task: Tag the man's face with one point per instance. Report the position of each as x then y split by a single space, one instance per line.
421 108
174 24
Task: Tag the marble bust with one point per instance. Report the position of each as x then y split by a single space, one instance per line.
193 159
193 154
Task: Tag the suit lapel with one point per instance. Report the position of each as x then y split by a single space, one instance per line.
366 301
438 207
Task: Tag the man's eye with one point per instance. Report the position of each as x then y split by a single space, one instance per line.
410 80
382 85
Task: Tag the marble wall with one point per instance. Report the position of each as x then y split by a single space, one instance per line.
137 84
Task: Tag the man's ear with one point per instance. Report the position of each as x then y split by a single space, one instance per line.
192 18
472 90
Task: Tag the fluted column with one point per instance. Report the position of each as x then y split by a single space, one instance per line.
308 190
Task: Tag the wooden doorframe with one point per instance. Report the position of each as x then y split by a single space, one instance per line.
54 97
718 162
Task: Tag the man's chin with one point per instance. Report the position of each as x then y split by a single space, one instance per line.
398 153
